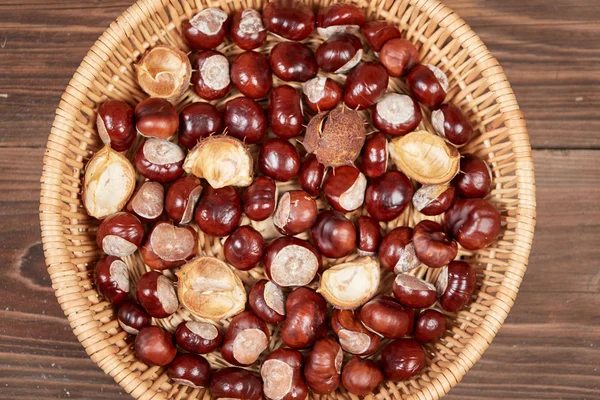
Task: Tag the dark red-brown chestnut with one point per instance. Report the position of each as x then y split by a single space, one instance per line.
207 29
235 383
368 235
384 316
198 337
361 376
474 223
388 195
396 114
260 198
156 294
402 359
279 159
365 85
398 56
413 292
344 188
154 346
156 117
290 261
428 84
111 278
132 318
159 160
169 246
433 199
210 76
267 301
244 248
251 74
281 372
116 124
353 336
374 160
147 202
324 366
430 326
306 318
292 61
456 285
296 212
474 179
322 94
333 234
285 112
311 175
246 338
432 246
377 33
247 29
245 120
219 211
190 370
338 18
397 252
198 121
340 53
120 234
181 199
450 123
291 19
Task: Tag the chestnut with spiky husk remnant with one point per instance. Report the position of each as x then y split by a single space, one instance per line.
335 137
164 71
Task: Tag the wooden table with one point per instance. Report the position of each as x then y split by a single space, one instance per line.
550 345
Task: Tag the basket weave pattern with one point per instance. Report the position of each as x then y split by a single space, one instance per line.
478 87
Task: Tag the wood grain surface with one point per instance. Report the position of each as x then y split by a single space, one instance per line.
549 347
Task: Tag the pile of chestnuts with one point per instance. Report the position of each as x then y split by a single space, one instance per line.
290 182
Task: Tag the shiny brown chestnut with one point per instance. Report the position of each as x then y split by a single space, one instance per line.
198 121
159 160
120 234
338 18
156 117
397 252
292 61
281 372
384 316
295 213
344 188
374 160
235 383
260 198
181 199
244 248
353 336
474 179
388 195
361 376
311 175
156 294
247 29
154 346
474 223
246 338
396 114
433 199
116 124
290 19
169 246
245 120
198 337
285 112
333 234
377 33
368 235
251 74
402 359
324 366
190 370
290 261
207 29
432 246
413 292
365 85
111 278
279 159
430 326
219 211
455 285
340 53
306 318
322 94
147 202
428 84
267 301
132 318
398 56
210 76
450 123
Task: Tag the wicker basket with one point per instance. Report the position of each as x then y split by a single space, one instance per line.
478 86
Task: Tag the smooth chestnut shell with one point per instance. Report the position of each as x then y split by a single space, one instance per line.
450 123
456 284
198 337
154 346
244 248
430 326
397 252
340 53
198 121
368 235
432 246
306 319
210 76
267 301
311 175
402 359
116 124
207 29
474 179
377 33
245 120
384 316
260 198
339 14
292 61
324 366
156 117
132 317
247 29
251 74
235 383
111 278
279 160
190 370
374 160
398 56
428 84
322 94
333 234
366 83
474 223
290 19
361 376
219 211
387 196
285 112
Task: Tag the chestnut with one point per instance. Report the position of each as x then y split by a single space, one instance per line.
432 246
291 262
456 285
384 316
116 124
251 74
450 123
397 252
322 94
311 175
413 292
281 372
181 199
366 83
132 318
279 160
169 246
324 366
154 346
377 33
244 248
111 278
235 383
388 195
306 318
260 198
290 19
338 18
156 117
247 29
156 295
190 370
267 301
368 235
219 211
159 160
164 71
198 121
198 337
474 179
374 153
474 223
245 120
398 56
353 336
433 199
361 376
295 213
402 359
396 114
340 53
285 112
246 338
147 202
207 29
210 76
430 326
120 234
333 234
344 188
428 84
351 284
292 61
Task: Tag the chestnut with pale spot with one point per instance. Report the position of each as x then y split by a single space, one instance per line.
455 285
324 366
352 335
339 18
169 246
156 294
281 372
159 160
132 318
154 346
181 200
295 213
433 199
246 338
306 318
384 316
413 292
190 370
322 94
428 84
247 30
207 29
450 123
164 71
116 124
290 261
156 117
397 251
344 188
147 202
396 114
198 337
120 234
267 301
210 75
111 278
340 53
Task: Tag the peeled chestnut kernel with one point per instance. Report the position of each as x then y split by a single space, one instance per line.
165 72
456 285
387 196
396 114
198 337
474 223
374 160
246 338
169 246
450 123
155 292
295 213
432 245
384 316
155 117
247 29
377 33
207 29
365 85
132 318
428 84
211 74
339 18
344 188
181 199
361 376
219 211
279 160
324 366
235 383
245 120
108 183
430 326
433 199
349 285
368 235
116 124
290 19
120 234
251 74
322 94
397 252
413 292
244 248
402 359
285 112
292 61
306 318
425 157
333 234
281 372
353 336
147 202
267 301
474 179
260 198
112 279
222 161
190 370
154 346
291 262
159 160
398 56
340 53
198 121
